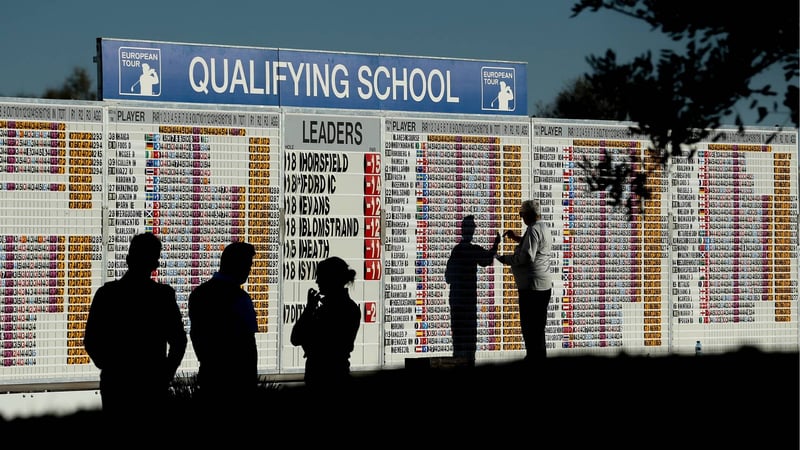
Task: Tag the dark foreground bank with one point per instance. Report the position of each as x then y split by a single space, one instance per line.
734 399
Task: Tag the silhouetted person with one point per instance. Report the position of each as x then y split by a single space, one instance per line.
135 336
328 326
222 328
461 274
530 264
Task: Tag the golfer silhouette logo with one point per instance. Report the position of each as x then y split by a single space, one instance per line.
147 79
504 98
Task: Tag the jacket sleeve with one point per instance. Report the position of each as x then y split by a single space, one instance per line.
300 330
450 268
355 323
487 256
176 335
197 322
522 253
95 337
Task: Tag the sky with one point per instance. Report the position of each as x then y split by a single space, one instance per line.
42 41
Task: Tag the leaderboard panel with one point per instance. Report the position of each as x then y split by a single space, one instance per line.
332 206
710 257
734 243
610 287
199 179
51 195
450 186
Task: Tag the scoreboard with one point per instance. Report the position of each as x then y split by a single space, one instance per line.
51 195
439 172
409 194
198 180
332 205
712 256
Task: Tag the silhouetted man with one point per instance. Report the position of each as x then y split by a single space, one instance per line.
462 275
222 328
135 336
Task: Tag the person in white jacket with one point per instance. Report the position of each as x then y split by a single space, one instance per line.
530 264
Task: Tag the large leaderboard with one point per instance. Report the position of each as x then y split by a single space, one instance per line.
199 180
712 256
407 168
332 206
51 195
412 203
451 186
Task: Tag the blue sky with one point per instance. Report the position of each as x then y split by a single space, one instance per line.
41 41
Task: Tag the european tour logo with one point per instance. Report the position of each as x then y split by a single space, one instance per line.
140 71
497 89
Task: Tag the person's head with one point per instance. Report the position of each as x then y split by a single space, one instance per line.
334 274
530 211
468 227
143 253
236 261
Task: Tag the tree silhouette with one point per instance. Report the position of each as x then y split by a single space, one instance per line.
78 86
682 98
580 100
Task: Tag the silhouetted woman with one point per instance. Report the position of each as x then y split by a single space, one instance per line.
328 326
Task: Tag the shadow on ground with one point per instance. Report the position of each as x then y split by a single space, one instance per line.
741 398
